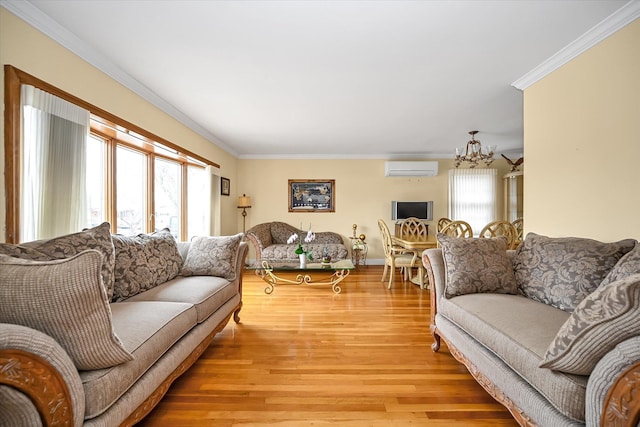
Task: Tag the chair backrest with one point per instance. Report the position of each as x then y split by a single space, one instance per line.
518 223
413 227
442 223
385 235
501 228
458 229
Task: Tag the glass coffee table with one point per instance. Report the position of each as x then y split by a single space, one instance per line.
325 274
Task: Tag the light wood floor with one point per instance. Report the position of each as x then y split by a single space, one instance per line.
304 356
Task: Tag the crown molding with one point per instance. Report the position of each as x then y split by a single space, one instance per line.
614 22
33 16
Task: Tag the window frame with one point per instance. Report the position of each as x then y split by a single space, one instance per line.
106 125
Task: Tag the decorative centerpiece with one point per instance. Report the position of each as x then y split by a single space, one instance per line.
302 254
326 258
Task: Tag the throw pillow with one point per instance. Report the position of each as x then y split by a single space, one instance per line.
562 271
628 265
64 299
144 262
213 256
98 238
601 321
476 265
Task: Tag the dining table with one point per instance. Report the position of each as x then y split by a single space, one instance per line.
416 244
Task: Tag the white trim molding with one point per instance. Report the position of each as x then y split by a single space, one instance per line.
614 22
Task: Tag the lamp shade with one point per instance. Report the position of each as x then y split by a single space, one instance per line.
244 201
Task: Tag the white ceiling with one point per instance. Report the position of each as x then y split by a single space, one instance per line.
387 79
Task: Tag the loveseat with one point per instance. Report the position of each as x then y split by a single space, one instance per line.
94 328
270 242
550 330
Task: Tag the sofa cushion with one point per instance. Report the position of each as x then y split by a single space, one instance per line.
562 271
212 256
144 261
158 326
497 322
206 293
284 252
628 265
98 238
601 321
66 300
476 265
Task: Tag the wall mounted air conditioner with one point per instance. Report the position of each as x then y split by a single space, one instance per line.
411 168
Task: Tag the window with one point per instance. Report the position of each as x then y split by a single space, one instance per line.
89 166
472 196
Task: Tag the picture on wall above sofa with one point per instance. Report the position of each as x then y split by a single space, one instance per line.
312 195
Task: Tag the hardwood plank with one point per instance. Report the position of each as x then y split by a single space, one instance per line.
304 356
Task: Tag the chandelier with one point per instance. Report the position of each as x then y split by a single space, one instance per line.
474 153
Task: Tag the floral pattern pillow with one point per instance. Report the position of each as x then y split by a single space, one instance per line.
143 262
563 271
628 265
98 238
601 321
476 265
213 256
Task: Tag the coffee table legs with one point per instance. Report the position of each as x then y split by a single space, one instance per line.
268 275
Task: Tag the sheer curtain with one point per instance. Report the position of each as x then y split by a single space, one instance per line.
472 196
53 188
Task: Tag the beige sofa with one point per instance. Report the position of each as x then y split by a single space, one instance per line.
270 242
551 330
54 366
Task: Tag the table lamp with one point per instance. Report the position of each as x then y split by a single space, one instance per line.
244 202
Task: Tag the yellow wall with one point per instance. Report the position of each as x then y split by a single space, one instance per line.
29 50
582 144
363 194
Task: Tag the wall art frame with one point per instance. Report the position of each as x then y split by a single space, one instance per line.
225 186
312 195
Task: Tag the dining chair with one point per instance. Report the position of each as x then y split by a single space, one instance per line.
413 227
442 223
394 256
518 223
501 228
458 229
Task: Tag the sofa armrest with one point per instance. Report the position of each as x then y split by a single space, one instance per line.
613 390
433 262
37 367
260 236
242 257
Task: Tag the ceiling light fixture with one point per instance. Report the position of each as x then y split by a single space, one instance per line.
474 153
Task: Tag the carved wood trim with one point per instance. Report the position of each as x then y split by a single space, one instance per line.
155 397
41 382
519 415
622 403
433 303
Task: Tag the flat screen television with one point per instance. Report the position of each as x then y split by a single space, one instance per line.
404 210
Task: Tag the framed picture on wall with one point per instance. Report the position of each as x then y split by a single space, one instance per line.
312 195
225 186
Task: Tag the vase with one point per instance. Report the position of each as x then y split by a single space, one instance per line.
303 260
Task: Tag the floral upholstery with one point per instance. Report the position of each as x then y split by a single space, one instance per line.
212 256
628 265
273 246
479 265
144 261
563 271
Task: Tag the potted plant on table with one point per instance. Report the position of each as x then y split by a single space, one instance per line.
302 254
